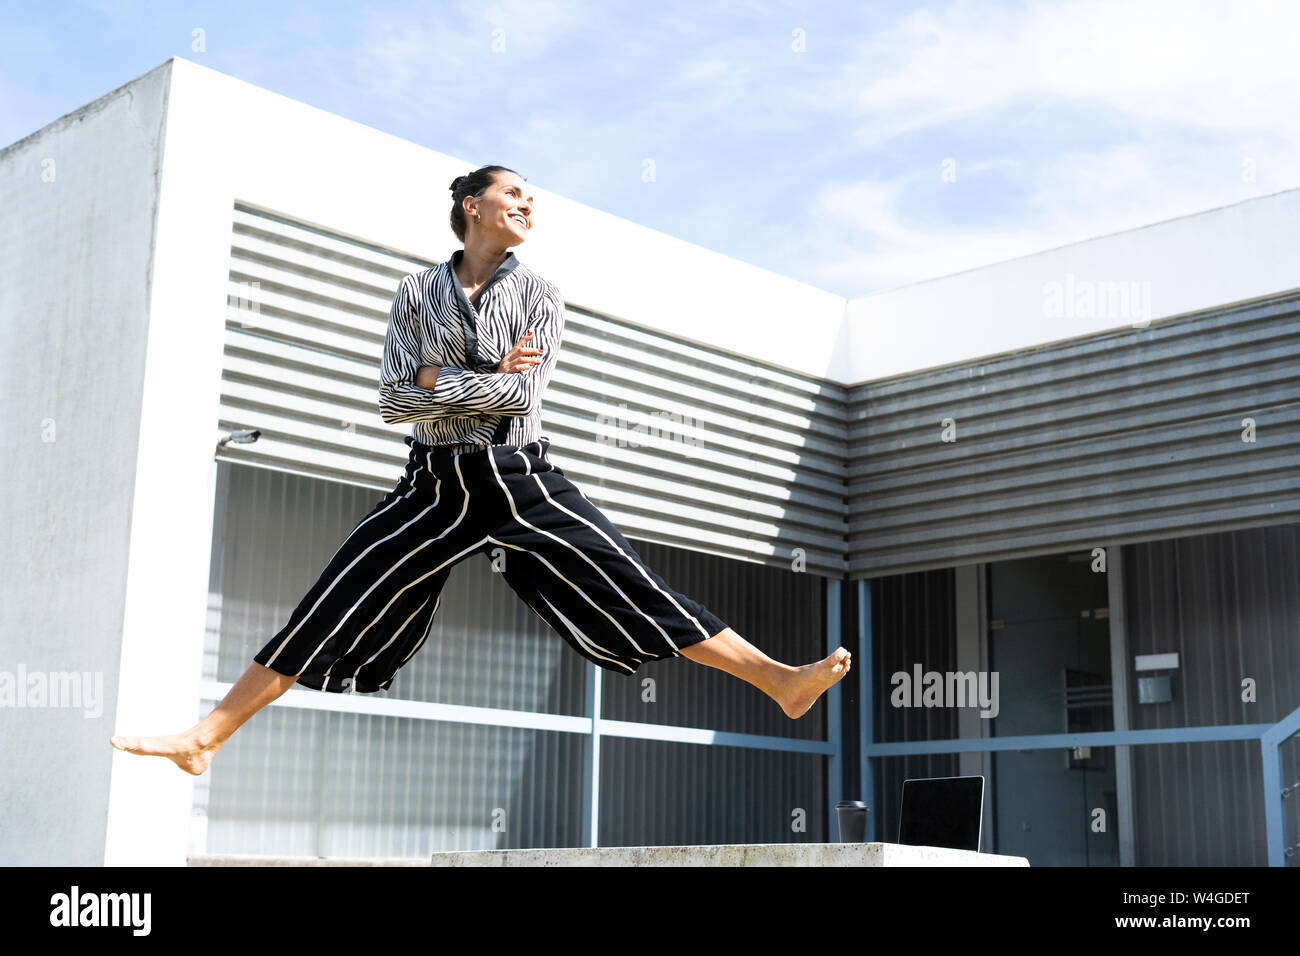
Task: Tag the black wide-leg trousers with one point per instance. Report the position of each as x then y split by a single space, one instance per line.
372 607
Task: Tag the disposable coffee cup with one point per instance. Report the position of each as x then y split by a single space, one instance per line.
853 821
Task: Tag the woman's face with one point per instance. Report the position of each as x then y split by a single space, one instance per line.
505 211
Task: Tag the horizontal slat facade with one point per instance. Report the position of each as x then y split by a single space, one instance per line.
755 471
1128 436
1228 605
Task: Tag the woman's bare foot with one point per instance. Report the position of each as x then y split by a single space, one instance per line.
184 750
809 682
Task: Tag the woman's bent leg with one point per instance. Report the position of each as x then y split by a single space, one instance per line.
194 749
796 689
366 615
569 563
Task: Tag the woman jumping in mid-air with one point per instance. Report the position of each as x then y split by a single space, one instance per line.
470 347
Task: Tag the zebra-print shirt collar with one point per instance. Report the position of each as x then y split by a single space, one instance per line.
468 316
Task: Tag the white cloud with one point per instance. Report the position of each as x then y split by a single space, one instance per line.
866 245
1170 97
529 28
1179 96
1207 65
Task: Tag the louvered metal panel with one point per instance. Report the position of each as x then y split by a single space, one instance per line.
660 793
752 467
914 618
782 612
1228 605
1128 436
310 783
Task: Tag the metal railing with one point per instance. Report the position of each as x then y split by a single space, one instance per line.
1270 752
1270 737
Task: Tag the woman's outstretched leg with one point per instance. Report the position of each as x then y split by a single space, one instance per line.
194 749
795 688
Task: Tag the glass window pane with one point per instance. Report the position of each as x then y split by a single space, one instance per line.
296 782
781 612
1199 804
660 793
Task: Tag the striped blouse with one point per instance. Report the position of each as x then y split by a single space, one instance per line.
432 322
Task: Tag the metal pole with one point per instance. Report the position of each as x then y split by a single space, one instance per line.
834 729
1119 695
866 680
591 783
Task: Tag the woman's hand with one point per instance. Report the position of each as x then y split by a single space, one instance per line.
426 376
519 358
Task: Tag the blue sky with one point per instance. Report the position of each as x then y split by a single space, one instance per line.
853 146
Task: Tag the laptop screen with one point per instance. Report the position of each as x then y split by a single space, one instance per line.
942 811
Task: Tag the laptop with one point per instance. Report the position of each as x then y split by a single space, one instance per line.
942 811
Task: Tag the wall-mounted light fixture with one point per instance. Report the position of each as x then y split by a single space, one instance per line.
1156 662
1155 690
242 437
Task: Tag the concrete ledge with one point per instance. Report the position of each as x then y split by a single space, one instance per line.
236 859
739 854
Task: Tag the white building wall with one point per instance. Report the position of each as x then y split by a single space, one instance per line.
1220 257
304 162
76 236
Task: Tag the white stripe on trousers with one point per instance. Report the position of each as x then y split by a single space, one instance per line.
325 681
574 629
343 573
578 551
612 544
582 638
378 617
437 488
